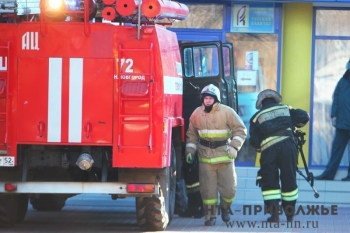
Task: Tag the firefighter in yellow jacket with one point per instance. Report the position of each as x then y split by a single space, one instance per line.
216 132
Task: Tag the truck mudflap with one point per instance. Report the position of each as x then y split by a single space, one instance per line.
124 189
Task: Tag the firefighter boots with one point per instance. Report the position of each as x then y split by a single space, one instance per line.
195 206
272 207
225 215
289 209
210 222
199 213
192 211
273 218
290 218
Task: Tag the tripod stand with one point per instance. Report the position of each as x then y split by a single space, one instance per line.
309 177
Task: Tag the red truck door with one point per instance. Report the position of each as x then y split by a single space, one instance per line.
3 99
60 100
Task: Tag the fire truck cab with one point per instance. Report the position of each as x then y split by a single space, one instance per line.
94 98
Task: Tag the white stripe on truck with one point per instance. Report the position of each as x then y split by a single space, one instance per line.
54 100
75 99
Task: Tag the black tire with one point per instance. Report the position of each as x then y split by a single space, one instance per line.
155 213
22 207
151 213
8 210
48 202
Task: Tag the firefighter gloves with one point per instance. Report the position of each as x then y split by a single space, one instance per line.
190 152
258 181
232 152
189 158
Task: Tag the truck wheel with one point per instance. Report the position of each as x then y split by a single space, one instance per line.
48 202
155 213
22 207
8 209
151 213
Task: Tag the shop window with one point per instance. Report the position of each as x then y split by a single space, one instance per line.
332 23
332 51
256 62
209 16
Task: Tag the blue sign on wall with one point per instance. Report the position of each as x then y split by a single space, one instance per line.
253 18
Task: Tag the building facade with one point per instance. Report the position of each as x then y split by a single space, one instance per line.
295 47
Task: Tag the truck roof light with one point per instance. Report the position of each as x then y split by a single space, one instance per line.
54 9
10 187
55 4
140 188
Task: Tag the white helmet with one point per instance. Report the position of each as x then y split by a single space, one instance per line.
268 93
211 90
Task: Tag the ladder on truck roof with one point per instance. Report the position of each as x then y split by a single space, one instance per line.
130 94
4 98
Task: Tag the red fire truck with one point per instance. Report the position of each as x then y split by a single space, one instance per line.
94 98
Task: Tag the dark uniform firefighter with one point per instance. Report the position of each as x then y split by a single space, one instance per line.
195 203
271 133
216 132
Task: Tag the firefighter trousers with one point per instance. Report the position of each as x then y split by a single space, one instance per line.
191 176
213 178
279 162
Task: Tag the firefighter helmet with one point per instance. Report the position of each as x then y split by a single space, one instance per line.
268 93
212 91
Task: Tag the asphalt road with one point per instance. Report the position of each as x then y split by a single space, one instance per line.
82 213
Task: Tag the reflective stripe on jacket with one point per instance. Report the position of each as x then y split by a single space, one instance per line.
222 123
270 125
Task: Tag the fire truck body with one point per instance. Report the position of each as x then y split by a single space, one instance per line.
89 108
68 92
97 107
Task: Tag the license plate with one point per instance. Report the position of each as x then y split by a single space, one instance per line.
7 161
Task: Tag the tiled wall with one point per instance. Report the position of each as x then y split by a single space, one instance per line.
330 192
